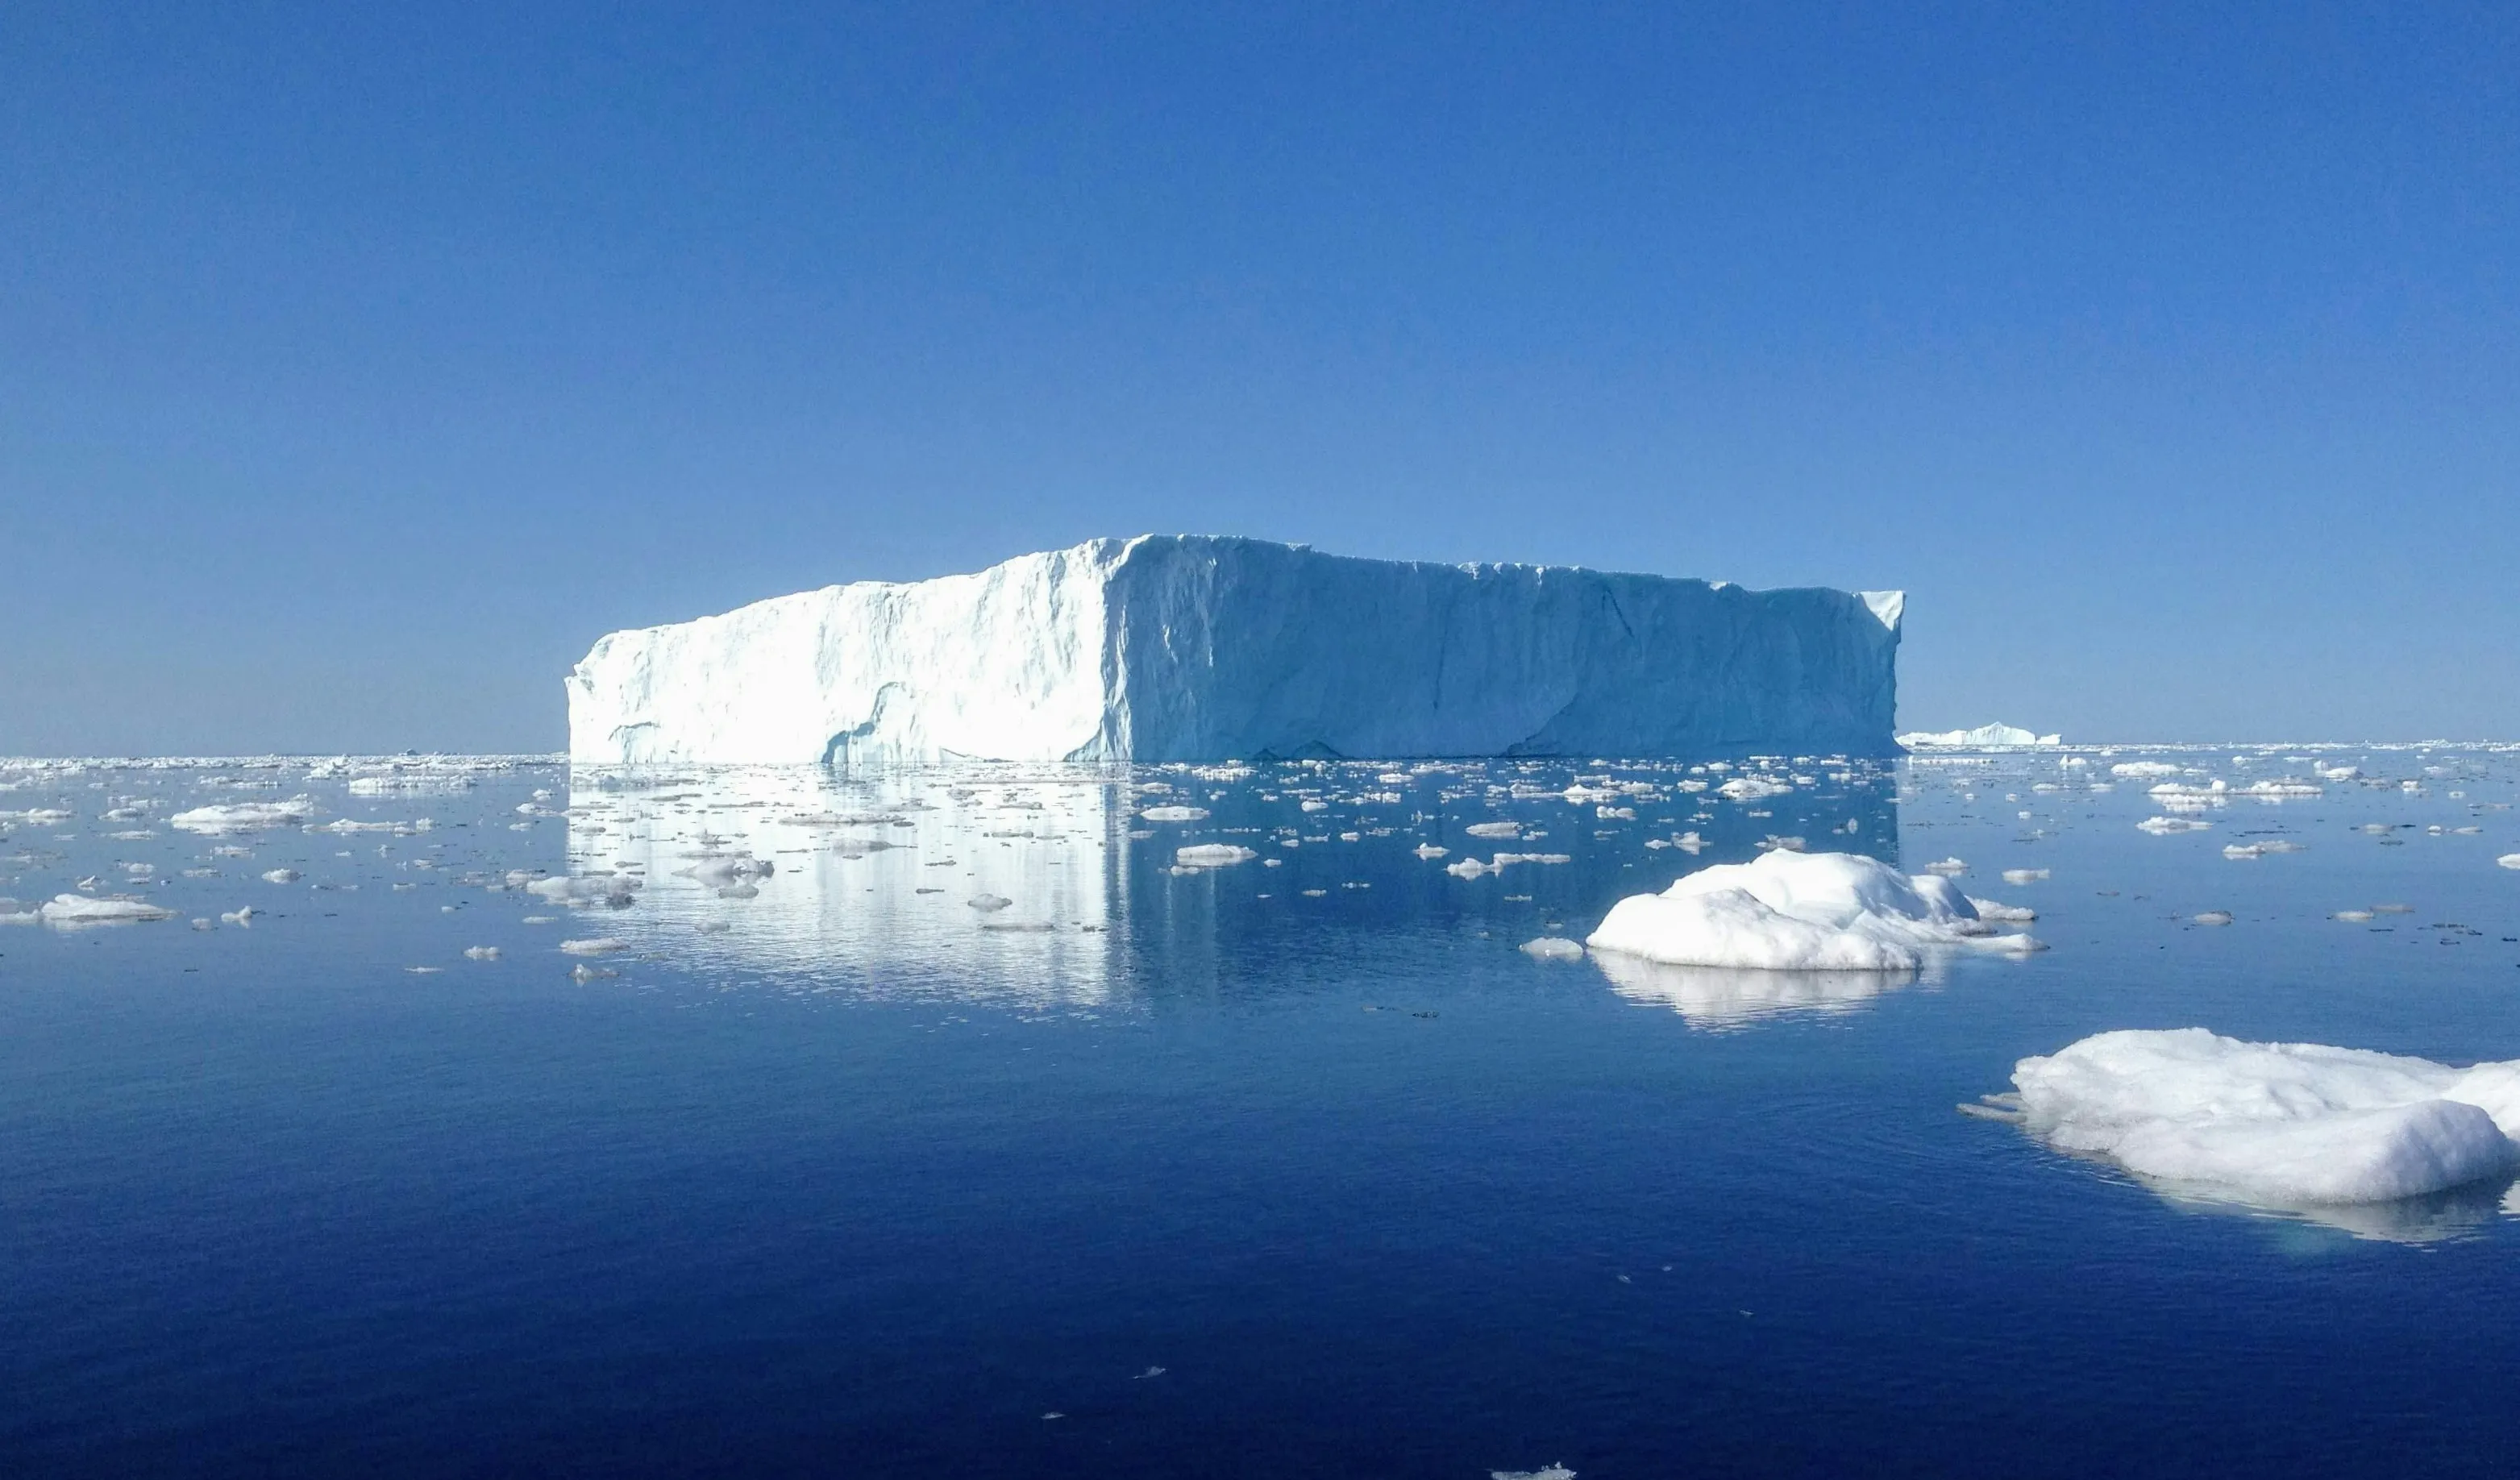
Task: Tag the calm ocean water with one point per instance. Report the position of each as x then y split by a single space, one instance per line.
1291 1170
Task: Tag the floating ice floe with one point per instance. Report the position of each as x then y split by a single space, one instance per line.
1553 948
576 890
1751 789
1493 829
2211 917
601 945
2024 875
246 817
1171 814
2278 1124
1471 868
2509 860
80 910
1790 912
2162 826
729 871
2137 770
1211 856
281 877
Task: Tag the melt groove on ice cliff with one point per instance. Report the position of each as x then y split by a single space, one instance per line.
1167 647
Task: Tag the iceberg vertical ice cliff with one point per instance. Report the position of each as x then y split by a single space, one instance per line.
1196 648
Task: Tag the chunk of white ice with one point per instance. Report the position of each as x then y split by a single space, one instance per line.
2275 1123
1796 911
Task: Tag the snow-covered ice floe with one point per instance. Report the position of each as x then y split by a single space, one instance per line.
1195 648
2281 1125
1800 912
82 910
246 817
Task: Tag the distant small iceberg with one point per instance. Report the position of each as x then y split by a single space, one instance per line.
1995 737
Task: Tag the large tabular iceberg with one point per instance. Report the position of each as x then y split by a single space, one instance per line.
1190 648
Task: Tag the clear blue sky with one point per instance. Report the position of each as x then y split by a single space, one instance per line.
358 371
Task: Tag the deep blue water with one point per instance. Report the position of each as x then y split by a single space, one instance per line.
857 1185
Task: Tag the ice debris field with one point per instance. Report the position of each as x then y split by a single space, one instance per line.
1731 893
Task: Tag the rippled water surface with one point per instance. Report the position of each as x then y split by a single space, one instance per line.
943 1124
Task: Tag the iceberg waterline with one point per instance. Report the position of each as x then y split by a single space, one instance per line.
1196 648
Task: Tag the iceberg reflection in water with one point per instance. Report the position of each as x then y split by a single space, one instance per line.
1082 884
1734 997
874 879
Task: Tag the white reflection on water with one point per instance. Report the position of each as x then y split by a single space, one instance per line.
1727 997
871 877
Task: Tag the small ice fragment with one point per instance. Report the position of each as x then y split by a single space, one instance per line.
988 903
1173 814
2352 917
2509 860
600 945
1211 856
2211 917
282 877
1431 850
1545 1472
1553 948
1494 829
482 953
587 973
2024 875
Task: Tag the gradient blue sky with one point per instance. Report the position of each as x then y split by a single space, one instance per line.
357 370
